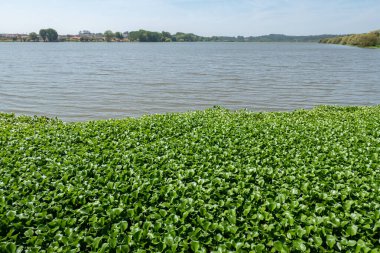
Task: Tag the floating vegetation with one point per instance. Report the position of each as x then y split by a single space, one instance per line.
203 181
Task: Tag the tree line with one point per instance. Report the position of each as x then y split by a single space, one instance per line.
51 35
148 36
46 35
371 39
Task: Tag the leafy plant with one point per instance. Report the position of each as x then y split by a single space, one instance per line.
203 181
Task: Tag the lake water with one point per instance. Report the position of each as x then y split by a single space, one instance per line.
80 81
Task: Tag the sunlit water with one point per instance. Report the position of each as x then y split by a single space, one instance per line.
84 81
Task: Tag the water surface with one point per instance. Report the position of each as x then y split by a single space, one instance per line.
84 81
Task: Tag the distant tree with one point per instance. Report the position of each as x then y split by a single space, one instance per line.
109 35
143 36
240 38
119 35
52 35
187 37
49 34
43 34
166 36
33 36
133 36
154 37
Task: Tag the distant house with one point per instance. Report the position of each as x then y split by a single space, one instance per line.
75 38
125 34
8 35
14 37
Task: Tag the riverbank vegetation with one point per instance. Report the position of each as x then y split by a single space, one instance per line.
203 181
149 36
371 39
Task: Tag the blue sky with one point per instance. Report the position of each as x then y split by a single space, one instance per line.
203 17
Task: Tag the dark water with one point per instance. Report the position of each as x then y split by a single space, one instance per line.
79 81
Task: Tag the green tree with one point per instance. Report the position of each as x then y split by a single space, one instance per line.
143 36
240 38
109 35
133 36
49 34
52 35
154 37
119 35
166 36
43 34
33 36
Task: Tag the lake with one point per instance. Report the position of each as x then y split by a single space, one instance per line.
85 81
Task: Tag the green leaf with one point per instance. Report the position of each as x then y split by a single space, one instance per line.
123 225
96 242
115 212
11 247
169 240
163 213
330 241
300 232
231 216
278 246
238 246
360 244
247 210
260 248
318 240
195 246
11 215
352 230
123 249
29 233
299 245
112 242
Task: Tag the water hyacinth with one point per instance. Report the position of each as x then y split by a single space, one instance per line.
203 181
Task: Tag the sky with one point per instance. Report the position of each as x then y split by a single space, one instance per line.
202 17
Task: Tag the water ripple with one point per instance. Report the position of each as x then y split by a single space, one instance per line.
76 81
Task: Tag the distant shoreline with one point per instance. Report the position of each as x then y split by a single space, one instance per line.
159 42
50 35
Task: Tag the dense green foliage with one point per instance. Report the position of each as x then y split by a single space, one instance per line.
202 181
33 37
147 36
287 38
119 35
49 35
109 35
371 39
